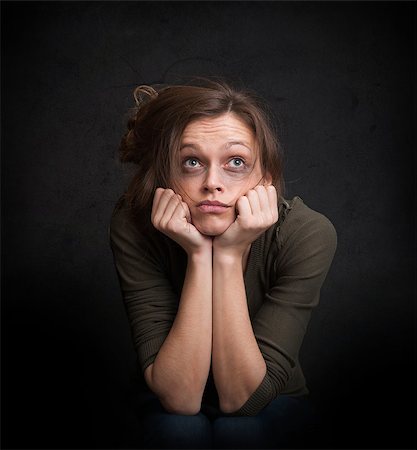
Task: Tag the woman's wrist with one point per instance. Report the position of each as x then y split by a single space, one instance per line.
201 254
228 255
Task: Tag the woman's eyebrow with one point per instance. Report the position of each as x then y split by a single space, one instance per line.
189 145
244 144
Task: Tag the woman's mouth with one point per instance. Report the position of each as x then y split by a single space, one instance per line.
213 207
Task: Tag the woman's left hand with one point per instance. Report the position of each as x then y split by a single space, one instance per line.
256 212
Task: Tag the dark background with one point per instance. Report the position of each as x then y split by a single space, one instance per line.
339 77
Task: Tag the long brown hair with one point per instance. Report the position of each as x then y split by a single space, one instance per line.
153 139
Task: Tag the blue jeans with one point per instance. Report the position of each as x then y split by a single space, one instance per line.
286 422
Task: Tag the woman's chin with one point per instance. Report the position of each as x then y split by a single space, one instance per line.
211 228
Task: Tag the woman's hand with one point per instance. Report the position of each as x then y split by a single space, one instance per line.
256 212
171 216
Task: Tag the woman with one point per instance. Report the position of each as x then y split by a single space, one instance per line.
219 273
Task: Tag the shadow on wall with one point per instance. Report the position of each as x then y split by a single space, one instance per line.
358 362
70 364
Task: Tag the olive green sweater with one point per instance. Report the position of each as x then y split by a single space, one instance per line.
286 268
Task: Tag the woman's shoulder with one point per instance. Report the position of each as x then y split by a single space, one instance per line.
127 223
121 219
298 222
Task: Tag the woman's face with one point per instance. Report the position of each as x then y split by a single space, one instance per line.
219 164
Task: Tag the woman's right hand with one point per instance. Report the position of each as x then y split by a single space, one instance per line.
171 215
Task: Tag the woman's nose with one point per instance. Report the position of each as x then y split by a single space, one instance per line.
213 181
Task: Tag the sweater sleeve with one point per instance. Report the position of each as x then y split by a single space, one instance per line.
306 243
150 301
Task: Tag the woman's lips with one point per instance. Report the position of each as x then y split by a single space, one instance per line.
213 207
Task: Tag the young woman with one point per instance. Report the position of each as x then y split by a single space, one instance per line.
219 273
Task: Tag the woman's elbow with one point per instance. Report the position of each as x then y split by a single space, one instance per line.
230 407
184 398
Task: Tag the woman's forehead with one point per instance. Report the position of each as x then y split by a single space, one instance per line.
228 128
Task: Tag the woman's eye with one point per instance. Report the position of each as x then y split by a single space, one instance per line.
191 163
236 163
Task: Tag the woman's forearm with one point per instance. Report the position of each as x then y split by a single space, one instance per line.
238 365
179 373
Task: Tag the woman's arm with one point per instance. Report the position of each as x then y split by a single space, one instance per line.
238 364
302 254
179 373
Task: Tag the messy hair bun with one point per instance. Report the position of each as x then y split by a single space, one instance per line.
129 144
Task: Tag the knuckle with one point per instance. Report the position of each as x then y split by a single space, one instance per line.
162 225
156 224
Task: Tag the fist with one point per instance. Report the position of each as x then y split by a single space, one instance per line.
171 216
256 212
